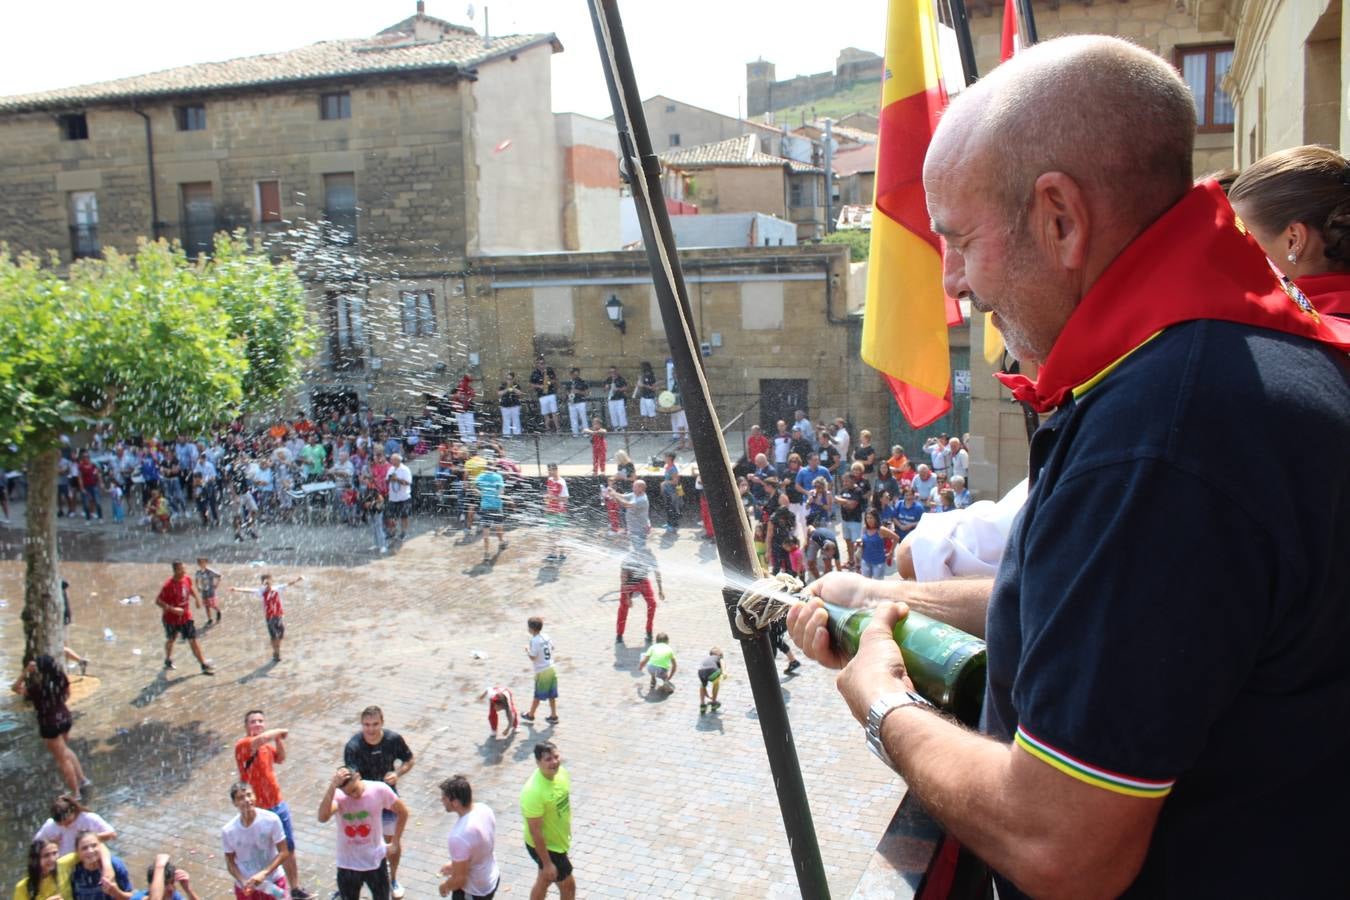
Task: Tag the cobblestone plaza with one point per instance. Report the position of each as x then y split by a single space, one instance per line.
667 803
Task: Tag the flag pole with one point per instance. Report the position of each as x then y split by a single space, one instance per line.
961 25
640 165
1028 21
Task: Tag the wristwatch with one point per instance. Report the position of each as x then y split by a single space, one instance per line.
882 707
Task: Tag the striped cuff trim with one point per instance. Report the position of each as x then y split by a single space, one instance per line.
1093 775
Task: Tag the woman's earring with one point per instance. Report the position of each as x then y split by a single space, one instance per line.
1293 257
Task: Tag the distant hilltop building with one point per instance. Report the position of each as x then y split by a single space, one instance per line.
764 94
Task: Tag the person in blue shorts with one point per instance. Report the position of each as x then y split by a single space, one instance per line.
490 486
540 652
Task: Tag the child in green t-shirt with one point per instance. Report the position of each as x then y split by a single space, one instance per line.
659 661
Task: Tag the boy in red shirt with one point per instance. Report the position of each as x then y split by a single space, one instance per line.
175 602
272 610
555 509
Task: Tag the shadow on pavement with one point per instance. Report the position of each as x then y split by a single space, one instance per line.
494 748
710 722
626 658
156 688
261 672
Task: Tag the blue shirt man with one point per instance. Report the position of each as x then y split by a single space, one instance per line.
908 513
807 475
490 485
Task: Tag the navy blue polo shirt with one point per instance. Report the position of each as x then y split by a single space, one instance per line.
1171 617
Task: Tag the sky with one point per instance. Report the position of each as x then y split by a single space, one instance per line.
692 50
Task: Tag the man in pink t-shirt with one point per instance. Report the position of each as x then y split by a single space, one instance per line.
358 806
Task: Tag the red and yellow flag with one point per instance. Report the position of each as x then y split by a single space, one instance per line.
907 314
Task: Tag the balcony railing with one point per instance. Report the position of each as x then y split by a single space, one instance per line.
84 242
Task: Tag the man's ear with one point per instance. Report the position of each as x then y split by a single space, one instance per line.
1059 220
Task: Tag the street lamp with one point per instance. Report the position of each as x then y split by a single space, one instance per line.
614 309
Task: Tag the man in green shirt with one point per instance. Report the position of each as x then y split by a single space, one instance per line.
659 660
313 457
545 804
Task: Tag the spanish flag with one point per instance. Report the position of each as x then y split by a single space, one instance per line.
906 316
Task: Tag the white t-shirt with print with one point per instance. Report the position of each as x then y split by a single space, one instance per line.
400 483
541 651
360 842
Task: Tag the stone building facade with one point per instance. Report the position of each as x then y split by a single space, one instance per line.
393 138
773 323
735 175
763 93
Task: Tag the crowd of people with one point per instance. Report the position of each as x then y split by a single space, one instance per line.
70 858
820 502
71 855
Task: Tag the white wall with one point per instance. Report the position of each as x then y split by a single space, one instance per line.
519 188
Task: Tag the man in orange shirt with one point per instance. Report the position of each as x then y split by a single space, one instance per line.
897 460
255 755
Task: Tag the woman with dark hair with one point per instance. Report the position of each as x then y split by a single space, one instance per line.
69 820
47 687
48 873
1296 203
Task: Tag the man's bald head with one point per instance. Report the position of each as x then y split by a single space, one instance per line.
1114 117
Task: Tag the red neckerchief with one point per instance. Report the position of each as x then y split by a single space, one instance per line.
1196 262
1329 292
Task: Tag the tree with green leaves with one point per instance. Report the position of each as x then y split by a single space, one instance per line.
151 343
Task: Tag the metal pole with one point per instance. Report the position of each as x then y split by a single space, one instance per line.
829 176
1028 21
729 523
961 25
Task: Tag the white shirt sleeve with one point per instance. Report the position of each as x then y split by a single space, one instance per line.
965 542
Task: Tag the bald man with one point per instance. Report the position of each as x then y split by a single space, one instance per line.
1167 689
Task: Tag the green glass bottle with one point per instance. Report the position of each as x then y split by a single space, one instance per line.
947 665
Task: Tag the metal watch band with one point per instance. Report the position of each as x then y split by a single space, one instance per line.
882 707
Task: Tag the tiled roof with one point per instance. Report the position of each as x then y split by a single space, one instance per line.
841 132
852 134
388 51
855 159
742 150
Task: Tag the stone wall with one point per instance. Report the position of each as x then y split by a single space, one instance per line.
770 308
740 189
403 144
763 94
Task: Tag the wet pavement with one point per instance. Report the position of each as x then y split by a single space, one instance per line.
667 803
